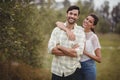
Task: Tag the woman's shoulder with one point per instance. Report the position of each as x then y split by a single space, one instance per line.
94 36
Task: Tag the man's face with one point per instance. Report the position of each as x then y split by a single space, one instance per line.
72 16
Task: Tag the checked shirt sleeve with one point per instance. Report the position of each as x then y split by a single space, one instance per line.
53 40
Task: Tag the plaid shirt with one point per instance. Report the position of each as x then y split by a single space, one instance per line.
65 64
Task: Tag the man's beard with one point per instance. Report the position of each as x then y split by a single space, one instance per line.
72 22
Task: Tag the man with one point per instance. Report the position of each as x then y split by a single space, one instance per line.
65 64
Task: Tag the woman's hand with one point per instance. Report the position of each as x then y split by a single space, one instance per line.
61 25
70 34
85 52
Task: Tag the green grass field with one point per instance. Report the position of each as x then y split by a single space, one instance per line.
109 69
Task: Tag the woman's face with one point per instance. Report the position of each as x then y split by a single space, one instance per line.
88 22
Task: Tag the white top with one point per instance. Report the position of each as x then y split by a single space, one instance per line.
65 64
92 43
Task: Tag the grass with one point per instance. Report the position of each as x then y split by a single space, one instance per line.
109 40
109 69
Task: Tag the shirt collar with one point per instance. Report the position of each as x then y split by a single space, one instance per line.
75 25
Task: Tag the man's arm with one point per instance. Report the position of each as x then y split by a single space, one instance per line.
57 52
68 51
52 44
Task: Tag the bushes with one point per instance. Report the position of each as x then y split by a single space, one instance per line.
103 26
118 28
19 36
23 31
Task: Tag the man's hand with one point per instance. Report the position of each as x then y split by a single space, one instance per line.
70 34
75 46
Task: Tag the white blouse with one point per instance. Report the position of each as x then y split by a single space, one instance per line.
92 43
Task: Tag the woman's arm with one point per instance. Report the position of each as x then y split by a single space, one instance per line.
97 49
61 25
96 57
70 34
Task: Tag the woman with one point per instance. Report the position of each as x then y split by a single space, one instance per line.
92 51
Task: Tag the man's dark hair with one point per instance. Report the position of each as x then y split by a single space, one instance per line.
74 7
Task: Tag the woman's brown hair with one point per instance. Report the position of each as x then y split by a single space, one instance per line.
95 21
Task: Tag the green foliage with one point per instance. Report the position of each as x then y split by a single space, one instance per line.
23 31
117 28
19 36
103 25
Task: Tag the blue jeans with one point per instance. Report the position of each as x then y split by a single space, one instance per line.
74 76
88 70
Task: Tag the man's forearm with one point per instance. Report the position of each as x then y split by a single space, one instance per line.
57 52
68 51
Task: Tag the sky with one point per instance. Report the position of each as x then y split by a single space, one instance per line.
98 3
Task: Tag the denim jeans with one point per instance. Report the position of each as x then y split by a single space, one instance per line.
74 76
88 70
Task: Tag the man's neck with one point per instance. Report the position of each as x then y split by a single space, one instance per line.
87 30
70 26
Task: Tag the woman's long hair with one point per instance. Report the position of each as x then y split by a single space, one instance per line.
95 21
